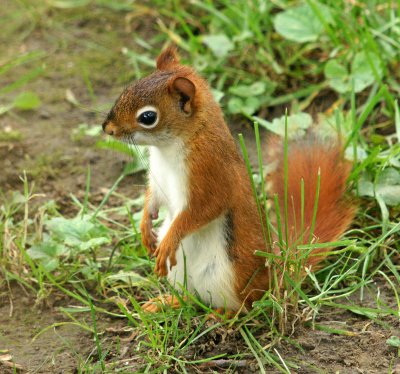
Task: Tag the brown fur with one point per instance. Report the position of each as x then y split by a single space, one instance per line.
218 180
334 213
168 59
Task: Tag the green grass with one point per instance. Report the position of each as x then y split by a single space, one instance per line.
344 70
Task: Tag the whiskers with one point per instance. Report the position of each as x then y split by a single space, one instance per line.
91 110
129 139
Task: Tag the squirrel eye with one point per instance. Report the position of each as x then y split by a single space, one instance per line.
148 118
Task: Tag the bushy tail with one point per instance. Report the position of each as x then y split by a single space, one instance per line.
334 212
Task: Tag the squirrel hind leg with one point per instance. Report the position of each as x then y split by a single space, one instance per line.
157 304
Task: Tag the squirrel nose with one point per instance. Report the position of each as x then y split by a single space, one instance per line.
108 128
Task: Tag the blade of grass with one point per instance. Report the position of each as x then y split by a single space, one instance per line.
95 333
253 186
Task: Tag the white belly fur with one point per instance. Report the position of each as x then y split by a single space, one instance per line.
202 260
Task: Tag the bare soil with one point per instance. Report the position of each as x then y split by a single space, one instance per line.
57 164
64 347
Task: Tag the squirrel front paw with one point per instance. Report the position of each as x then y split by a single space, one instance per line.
162 253
149 237
149 240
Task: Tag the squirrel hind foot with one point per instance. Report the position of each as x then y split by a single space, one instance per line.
157 304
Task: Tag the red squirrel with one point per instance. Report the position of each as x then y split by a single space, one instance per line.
212 228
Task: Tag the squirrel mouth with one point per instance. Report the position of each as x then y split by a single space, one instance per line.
108 127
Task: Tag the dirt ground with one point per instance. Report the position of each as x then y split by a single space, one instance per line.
57 164
63 348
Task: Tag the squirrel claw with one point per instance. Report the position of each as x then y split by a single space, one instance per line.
172 260
162 255
149 236
161 270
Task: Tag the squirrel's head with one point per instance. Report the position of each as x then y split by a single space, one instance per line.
161 106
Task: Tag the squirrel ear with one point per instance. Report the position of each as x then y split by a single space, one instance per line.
186 90
168 58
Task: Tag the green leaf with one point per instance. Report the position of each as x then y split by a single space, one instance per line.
235 105
301 24
218 95
251 104
247 105
79 232
337 76
243 90
72 231
93 243
388 186
47 249
365 186
219 44
26 101
360 152
297 124
362 71
116 145
394 341
129 277
48 252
